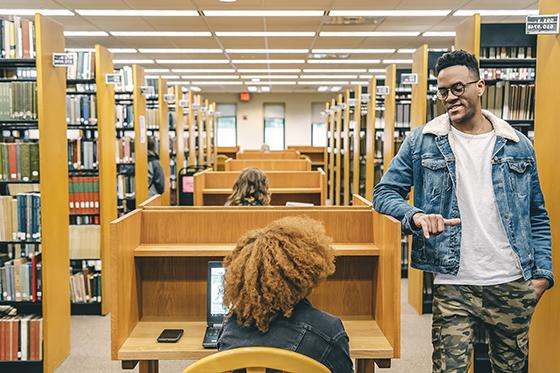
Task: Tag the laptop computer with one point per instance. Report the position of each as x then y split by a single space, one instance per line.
216 311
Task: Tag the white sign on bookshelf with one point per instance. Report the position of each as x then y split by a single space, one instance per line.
409 79
382 90
63 59
115 79
542 24
142 121
169 98
147 90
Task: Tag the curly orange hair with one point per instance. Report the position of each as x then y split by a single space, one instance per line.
273 268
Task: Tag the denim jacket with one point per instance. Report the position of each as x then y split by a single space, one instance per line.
308 331
426 161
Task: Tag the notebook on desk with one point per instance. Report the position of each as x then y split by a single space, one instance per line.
216 311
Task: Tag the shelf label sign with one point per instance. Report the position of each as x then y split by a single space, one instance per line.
147 90
142 121
63 59
183 103
542 24
169 98
409 79
382 90
115 79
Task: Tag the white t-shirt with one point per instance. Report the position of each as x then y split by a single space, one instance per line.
486 254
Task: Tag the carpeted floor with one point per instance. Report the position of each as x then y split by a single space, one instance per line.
91 344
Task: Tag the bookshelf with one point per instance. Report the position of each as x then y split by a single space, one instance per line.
544 344
345 151
179 138
389 127
48 130
331 152
140 136
338 151
164 140
370 137
193 102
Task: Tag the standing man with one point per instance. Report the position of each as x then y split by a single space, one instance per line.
479 221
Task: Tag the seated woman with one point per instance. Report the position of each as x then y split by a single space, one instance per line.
268 277
250 189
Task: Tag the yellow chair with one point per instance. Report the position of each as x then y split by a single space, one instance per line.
256 360
220 162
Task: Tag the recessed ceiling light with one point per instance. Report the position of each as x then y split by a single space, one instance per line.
228 1
195 71
267 61
438 49
177 82
179 50
79 49
218 83
85 33
366 34
352 51
153 77
265 89
268 70
123 50
323 89
156 70
322 83
376 70
201 62
354 82
267 51
263 13
31 12
336 89
266 33
380 77
439 33
170 77
343 62
496 12
136 13
389 13
273 83
161 33
137 61
195 89
398 61
190 77
269 76
406 51
255 80
335 70
328 76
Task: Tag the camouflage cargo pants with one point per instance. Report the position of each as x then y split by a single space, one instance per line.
505 310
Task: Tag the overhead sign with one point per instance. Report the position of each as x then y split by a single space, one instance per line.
542 24
409 79
382 90
115 79
63 59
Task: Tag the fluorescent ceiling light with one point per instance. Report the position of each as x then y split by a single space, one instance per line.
177 82
354 82
376 70
255 80
439 33
352 51
273 83
380 77
31 12
438 49
406 51
322 83
170 77
152 77
266 33
398 61
138 61
178 50
156 70
336 89
366 34
263 13
267 51
79 49
328 76
267 61
136 13
389 13
190 77
252 89
335 70
269 76
195 89
218 83
323 89
496 12
161 33
202 62
85 33
123 50
194 71
265 89
344 62
268 70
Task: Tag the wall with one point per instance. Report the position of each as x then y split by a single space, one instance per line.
250 120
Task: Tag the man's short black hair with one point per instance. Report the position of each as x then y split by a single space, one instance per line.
458 58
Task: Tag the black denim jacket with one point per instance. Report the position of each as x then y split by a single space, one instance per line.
308 331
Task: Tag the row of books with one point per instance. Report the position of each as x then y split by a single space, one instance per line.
152 119
517 73
22 338
18 250
81 109
510 101
402 115
125 186
434 107
84 194
508 52
18 100
17 38
85 241
127 82
85 286
124 149
124 115
20 217
19 161
81 88
20 280
84 67
82 154
19 73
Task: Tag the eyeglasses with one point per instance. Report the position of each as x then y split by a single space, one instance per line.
457 89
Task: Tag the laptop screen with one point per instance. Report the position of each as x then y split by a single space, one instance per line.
216 309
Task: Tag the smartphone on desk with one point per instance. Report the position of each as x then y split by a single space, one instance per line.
170 335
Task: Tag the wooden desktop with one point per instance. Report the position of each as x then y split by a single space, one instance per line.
284 154
269 164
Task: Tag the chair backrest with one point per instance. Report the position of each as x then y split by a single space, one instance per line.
256 360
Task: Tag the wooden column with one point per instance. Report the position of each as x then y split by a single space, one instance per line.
338 160
140 136
191 124
389 131
179 131
370 138
332 145
467 35
346 146
356 141
163 112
